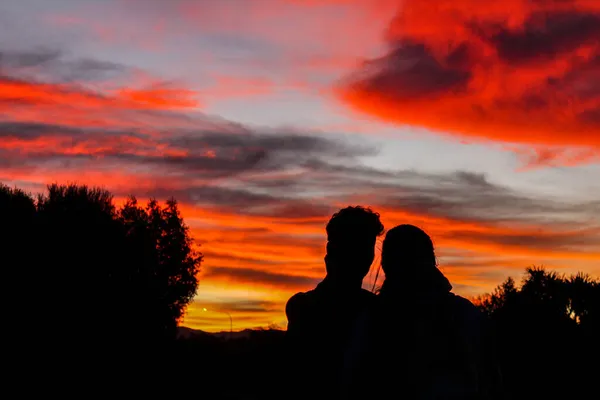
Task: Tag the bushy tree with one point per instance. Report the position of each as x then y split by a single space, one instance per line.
546 333
498 299
95 276
17 214
167 276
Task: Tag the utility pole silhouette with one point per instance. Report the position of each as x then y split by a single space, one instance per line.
230 320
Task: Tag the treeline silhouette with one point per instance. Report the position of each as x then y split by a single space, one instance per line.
88 281
547 334
94 292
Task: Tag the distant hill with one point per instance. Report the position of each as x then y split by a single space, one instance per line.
184 332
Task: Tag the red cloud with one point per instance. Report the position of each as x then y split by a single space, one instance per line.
32 93
160 97
514 71
124 106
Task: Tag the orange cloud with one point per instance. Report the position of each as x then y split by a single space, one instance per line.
514 71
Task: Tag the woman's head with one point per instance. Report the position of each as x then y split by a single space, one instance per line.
405 249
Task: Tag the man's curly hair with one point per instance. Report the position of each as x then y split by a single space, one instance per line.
353 221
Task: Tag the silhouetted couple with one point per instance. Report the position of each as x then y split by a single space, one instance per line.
415 340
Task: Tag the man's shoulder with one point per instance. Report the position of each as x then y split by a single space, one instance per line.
299 302
312 300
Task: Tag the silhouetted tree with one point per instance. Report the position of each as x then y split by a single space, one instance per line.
167 263
81 260
17 214
546 333
583 296
502 295
99 281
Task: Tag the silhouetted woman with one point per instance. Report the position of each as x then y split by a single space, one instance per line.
430 341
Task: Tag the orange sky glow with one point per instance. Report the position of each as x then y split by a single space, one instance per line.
477 121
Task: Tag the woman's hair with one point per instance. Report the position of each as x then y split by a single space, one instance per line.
406 246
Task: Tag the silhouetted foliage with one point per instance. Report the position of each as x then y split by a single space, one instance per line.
167 266
546 333
17 214
97 279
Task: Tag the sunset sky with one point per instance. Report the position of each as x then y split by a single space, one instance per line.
477 121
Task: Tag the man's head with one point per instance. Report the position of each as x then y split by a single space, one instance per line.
351 236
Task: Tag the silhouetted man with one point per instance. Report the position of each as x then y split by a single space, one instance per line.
320 321
433 344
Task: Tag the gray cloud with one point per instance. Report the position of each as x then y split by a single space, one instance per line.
41 57
32 130
244 201
410 71
577 239
56 66
308 168
563 30
233 151
465 196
